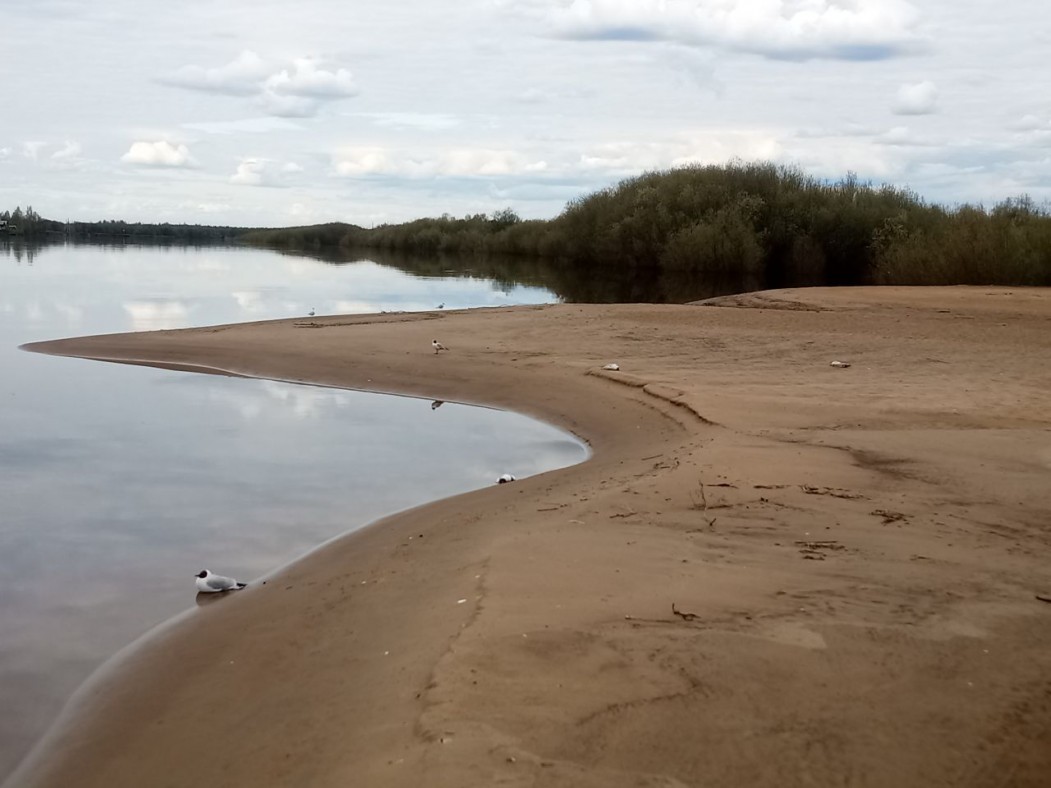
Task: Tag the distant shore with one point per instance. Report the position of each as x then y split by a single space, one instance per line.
772 571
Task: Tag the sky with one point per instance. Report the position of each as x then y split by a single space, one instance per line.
268 113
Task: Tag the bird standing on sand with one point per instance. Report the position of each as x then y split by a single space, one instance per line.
311 312
438 346
208 583
437 404
505 478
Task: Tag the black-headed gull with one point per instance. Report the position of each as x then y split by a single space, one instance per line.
505 478
208 583
438 346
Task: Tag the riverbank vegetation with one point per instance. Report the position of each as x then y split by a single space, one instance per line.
766 225
673 234
27 225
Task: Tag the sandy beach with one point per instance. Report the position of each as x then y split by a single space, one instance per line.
771 572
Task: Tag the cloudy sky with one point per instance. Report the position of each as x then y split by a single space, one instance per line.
279 113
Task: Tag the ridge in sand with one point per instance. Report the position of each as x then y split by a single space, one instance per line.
771 571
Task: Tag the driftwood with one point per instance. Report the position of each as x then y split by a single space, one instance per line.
684 616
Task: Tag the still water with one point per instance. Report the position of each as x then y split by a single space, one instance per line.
118 483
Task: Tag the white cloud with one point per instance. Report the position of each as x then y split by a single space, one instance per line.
262 172
354 162
454 163
1030 123
287 106
916 99
240 77
780 29
295 90
70 150
305 79
159 154
31 149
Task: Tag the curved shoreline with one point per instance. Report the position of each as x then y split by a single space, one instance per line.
566 663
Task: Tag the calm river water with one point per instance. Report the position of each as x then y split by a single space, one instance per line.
118 483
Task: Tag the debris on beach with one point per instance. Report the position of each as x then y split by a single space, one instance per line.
682 614
840 364
612 367
505 478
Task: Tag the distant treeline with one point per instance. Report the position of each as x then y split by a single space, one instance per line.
761 225
28 224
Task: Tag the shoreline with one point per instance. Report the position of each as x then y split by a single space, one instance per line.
828 541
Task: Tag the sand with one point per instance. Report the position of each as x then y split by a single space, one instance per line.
771 572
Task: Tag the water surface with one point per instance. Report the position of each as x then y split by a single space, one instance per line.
118 483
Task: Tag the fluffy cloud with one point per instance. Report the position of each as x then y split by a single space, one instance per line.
263 172
71 150
456 163
32 149
240 77
917 99
604 160
356 162
779 29
286 106
307 80
159 154
295 90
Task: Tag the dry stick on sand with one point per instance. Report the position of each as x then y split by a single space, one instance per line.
703 506
683 615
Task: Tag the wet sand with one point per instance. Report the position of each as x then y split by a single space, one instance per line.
771 572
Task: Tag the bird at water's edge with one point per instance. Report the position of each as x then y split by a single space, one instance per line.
209 583
438 346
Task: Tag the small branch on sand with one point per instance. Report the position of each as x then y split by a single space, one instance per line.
682 615
703 504
830 491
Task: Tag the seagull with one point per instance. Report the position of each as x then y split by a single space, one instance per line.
311 312
505 478
441 305
207 583
437 404
438 346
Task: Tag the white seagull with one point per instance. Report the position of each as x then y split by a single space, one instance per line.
208 583
438 346
505 478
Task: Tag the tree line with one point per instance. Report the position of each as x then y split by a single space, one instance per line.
760 225
681 233
27 224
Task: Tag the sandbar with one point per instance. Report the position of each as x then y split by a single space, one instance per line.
772 571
